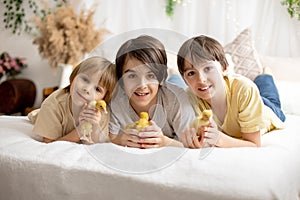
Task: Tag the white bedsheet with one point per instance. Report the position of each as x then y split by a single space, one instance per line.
33 170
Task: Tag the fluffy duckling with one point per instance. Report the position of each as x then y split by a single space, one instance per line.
141 123
202 120
99 104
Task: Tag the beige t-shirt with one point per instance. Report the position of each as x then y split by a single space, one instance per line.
246 112
54 119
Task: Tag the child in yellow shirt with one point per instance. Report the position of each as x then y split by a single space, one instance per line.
242 109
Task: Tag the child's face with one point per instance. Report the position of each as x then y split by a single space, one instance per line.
86 88
140 84
205 80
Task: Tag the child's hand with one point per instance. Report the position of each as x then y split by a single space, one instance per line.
209 136
89 124
190 139
152 137
149 137
212 134
90 113
128 138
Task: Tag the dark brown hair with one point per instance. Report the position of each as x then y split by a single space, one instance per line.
146 49
200 49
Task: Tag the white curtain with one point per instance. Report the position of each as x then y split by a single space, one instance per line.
274 32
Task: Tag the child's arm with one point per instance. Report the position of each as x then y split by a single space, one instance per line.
211 136
128 138
71 137
248 140
220 139
88 114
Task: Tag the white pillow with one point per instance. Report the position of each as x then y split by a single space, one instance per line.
289 96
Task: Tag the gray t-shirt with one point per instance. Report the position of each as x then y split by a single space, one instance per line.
172 113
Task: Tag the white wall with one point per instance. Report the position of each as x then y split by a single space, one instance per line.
275 33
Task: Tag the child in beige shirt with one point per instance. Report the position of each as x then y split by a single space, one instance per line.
66 109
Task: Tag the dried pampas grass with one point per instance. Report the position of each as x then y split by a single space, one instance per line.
65 36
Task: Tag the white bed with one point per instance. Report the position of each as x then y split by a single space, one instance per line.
33 170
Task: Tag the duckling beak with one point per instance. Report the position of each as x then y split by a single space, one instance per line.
105 111
103 106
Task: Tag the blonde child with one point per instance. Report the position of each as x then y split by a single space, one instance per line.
141 67
239 112
66 109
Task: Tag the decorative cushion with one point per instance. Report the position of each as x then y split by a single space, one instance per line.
244 55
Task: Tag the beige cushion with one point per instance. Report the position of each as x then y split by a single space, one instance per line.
244 56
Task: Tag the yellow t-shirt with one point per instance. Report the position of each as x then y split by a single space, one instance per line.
246 112
54 119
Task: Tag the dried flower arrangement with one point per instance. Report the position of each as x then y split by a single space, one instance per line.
65 36
11 66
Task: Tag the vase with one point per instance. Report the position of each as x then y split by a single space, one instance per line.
3 78
66 70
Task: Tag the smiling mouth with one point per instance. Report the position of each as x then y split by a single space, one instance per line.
204 88
81 96
141 93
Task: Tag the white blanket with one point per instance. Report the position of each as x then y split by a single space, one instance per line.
33 170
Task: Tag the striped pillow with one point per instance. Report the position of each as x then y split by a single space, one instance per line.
244 55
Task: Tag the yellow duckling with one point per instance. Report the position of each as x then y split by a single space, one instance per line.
86 128
143 122
99 104
202 120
